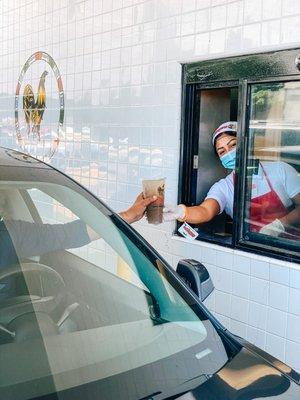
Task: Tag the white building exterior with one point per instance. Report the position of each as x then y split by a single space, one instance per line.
120 63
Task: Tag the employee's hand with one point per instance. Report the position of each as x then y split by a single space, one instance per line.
171 213
138 208
275 228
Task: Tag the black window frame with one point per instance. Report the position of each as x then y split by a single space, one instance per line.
242 72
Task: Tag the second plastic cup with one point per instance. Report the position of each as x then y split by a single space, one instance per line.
154 187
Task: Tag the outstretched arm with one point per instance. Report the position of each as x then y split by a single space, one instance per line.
137 210
133 214
204 212
33 239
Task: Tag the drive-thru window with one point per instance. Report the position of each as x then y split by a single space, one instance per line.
262 93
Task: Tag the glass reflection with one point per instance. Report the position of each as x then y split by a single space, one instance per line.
273 160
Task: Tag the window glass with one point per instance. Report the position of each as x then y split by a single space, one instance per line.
98 251
68 320
273 163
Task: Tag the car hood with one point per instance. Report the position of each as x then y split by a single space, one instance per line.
247 376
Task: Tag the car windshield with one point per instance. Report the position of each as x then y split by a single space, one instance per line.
85 307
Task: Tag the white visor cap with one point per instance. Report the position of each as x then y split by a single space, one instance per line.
230 126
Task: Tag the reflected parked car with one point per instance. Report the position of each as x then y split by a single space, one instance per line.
106 317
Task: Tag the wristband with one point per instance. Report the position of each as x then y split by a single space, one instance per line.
184 213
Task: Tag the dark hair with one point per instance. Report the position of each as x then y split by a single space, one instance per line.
229 133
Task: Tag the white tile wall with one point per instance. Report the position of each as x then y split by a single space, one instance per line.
120 64
275 345
252 11
279 273
222 302
235 12
278 296
270 32
259 290
294 301
257 315
277 322
241 263
260 268
292 350
293 327
256 336
241 285
239 309
271 9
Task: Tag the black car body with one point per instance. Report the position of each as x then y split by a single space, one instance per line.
106 318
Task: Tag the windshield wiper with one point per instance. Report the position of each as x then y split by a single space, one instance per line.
154 311
151 396
154 308
10 333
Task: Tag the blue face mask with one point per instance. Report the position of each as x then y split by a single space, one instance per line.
228 160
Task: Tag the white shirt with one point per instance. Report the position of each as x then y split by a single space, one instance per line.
284 179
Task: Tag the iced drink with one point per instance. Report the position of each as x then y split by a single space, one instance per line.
154 187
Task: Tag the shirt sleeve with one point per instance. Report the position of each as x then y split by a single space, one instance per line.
34 239
218 193
291 180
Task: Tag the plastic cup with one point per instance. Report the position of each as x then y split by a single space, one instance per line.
154 187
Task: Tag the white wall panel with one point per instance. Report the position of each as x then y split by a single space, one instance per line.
120 65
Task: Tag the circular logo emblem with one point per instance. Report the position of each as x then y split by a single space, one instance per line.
39 106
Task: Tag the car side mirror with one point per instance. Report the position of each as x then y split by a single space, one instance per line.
196 276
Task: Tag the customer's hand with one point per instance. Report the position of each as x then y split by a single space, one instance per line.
138 208
171 213
275 228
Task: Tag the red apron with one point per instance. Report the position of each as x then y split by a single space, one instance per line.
266 208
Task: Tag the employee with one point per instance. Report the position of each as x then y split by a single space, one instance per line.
275 197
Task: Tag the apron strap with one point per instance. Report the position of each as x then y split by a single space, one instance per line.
267 178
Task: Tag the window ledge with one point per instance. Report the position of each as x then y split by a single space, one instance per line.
235 252
201 243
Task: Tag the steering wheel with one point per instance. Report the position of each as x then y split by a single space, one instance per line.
22 316
14 270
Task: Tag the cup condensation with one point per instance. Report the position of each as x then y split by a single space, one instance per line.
154 187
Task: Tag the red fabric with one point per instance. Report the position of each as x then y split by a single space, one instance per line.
266 208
